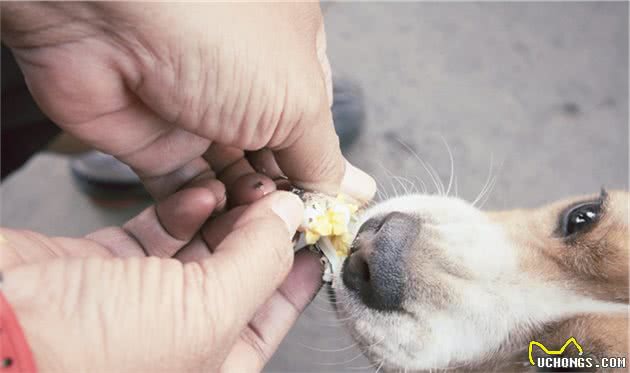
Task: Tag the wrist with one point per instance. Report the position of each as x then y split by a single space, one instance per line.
22 301
16 352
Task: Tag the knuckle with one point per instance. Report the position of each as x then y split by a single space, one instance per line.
327 165
255 342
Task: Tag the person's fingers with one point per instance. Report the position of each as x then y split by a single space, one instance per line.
249 188
228 162
264 162
314 162
160 230
355 182
252 260
194 251
211 235
181 215
162 186
322 56
242 183
208 181
260 339
165 157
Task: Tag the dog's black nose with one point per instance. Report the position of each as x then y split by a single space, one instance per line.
375 268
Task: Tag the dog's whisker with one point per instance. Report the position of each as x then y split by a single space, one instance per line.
422 184
332 350
390 177
403 183
332 324
376 365
331 339
404 188
342 362
491 186
439 179
456 191
379 195
321 309
380 366
485 185
488 192
452 162
413 188
350 317
381 189
482 196
336 302
379 186
423 164
333 303
354 358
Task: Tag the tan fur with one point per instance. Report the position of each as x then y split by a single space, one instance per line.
595 265
592 265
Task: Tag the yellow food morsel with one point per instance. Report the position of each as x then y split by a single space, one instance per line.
333 222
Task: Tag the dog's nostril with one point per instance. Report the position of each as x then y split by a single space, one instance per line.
359 266
375 268
356 272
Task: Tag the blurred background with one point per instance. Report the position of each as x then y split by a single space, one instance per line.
535 93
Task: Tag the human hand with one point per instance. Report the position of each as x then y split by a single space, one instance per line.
159 85
100 304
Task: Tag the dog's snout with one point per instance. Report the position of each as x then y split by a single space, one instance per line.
375 268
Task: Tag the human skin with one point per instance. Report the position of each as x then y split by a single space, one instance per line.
158 85
100 304
195 98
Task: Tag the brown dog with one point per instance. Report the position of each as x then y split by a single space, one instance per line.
434 283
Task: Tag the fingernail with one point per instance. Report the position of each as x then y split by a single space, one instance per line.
289 208
358 184
264 186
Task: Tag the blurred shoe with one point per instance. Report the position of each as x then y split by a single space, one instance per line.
348 111
106 180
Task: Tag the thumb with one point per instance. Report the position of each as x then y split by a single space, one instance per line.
314 160
143 307
250 263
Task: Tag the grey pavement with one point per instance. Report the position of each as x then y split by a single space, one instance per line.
538 90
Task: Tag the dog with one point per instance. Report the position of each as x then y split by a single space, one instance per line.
433 283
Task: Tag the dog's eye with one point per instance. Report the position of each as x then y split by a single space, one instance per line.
581 217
